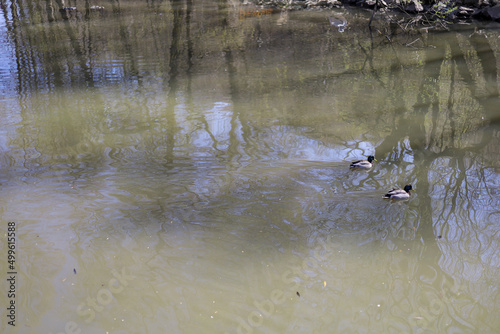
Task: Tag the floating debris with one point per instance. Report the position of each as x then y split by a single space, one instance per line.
339 21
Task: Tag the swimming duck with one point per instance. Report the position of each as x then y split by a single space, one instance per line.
339 21
399 193
366 164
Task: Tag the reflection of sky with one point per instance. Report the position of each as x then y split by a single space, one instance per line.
8 105
211 127
207 125
465 212
300 146
6 60
218 121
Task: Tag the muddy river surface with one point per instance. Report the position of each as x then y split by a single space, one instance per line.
183 167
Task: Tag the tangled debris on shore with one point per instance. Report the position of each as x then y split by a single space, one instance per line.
448 11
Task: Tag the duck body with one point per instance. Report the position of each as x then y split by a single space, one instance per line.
364 164
399 193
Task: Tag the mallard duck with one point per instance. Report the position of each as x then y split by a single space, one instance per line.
399 193
366 164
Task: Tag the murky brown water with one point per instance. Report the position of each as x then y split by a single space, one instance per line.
185 170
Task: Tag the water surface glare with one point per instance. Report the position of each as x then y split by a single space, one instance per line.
184 167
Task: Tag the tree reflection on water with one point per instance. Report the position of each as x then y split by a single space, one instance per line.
204 107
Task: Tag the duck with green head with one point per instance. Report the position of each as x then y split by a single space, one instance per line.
364 164
399 193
